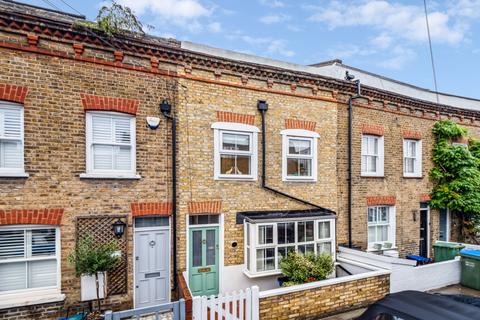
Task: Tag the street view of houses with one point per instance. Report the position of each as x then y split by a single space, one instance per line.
147 177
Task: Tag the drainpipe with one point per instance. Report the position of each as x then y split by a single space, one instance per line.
262 106
350 77
166 110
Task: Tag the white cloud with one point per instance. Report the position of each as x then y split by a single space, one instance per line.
274 18
273 3
173 9
400 57
215 27
382 41
465 8
391 18
269 45
349 50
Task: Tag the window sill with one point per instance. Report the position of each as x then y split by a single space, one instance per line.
413 177
305 180
366 175
262 274
29 300
125 176
381 250
235 179
14 175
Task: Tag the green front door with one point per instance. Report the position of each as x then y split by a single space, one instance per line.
203 257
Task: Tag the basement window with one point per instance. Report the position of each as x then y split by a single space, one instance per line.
235 151
266 243
299 155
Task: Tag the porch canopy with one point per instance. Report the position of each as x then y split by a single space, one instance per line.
258 216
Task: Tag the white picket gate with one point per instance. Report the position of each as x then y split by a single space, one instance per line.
236 305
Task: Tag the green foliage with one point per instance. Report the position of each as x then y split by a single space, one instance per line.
89 257
299 268
456 174
115 19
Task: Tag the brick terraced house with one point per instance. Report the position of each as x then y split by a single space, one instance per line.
261 168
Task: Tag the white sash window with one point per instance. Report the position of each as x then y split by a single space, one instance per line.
299 155
412 158
372 156
11 139
110 143
29 258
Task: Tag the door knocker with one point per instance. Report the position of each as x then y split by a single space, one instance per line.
152 243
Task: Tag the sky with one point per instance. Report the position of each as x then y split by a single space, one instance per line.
384 37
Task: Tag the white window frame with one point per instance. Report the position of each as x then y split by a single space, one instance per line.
391 233
14 172
417 173
251 231
235 128
34 295
299 134
109 174
380 155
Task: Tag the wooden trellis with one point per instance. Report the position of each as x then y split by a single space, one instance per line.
100 229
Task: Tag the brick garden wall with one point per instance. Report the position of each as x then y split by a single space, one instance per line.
323 301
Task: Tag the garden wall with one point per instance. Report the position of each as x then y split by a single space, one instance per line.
323 298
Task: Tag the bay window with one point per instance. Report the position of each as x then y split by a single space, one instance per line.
29 259
235 151
110 145
372 156
299 155
11 139
266 243
412 158
381 225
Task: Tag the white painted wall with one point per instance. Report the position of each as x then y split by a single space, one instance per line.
427 277
235 279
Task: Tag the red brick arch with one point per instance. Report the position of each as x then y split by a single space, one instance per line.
91 102
13 93
31 216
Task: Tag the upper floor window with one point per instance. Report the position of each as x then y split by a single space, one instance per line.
412 158
11 139
29 258
381 225
235 154
110 144
266 243
372 156
299 155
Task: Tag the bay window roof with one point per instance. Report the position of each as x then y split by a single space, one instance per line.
262 216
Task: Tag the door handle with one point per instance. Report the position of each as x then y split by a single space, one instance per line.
204 241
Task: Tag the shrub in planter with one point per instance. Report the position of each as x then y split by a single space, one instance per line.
299 268
91 259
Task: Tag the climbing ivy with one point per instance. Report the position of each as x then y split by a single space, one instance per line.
115 19
456 175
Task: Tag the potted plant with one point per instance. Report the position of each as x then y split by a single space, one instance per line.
94 260
377 246
387 245
304 268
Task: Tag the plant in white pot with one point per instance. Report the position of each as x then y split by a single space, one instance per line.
94 259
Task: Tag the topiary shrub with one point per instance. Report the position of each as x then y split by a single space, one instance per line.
299 268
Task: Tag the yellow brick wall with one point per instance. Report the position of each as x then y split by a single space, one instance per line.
320 302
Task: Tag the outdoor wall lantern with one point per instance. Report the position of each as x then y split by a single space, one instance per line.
119 228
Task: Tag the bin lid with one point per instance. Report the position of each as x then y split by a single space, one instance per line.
475 254
444 244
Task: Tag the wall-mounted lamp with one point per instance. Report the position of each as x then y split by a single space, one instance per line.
415 215
119 228
165 107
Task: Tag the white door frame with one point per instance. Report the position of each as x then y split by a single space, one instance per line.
162 228
221 235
